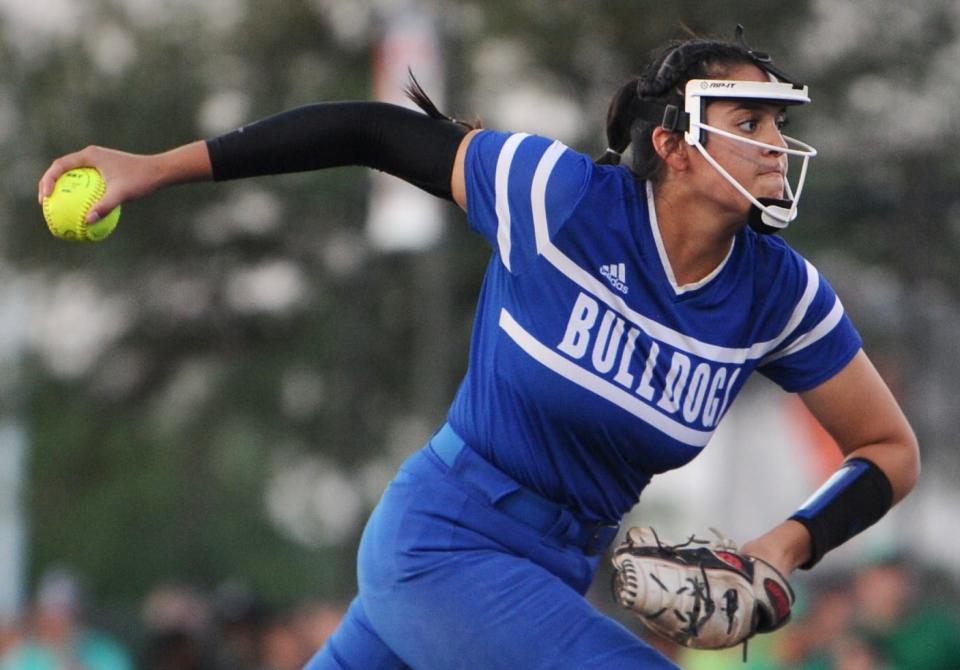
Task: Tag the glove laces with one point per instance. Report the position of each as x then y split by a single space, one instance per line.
703 606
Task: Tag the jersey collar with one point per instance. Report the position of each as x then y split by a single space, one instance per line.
678 290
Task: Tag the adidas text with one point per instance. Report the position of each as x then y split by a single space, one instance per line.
616 275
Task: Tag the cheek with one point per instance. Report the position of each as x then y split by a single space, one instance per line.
739 159
740 155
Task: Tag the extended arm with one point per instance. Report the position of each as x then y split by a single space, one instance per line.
410 145
861 414
131 176
404 143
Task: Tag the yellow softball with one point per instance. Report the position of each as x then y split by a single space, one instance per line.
65 210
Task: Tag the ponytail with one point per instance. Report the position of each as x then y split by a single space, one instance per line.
620 117
419 97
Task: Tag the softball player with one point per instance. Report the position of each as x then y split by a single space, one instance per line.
621 313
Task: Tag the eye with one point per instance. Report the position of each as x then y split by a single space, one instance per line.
749 126
782 122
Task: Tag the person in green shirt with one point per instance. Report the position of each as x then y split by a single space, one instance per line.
895 615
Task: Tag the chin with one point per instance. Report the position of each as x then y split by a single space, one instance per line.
775 193
771 191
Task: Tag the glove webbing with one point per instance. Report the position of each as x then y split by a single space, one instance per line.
701 590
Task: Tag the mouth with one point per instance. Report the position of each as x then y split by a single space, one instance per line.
776 176
772 183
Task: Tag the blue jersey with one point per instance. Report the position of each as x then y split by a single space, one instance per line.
590 368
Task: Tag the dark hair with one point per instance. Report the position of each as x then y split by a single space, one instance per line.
415 92
663 81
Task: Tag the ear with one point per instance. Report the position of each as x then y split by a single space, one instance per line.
670 146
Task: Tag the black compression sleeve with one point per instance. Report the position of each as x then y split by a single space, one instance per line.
396 140
857 496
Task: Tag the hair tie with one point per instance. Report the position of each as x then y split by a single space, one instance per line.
616 154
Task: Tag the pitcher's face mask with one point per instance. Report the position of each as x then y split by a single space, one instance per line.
768 215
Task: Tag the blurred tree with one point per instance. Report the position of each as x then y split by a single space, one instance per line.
230 333
884 198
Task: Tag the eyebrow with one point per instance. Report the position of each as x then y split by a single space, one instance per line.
756 104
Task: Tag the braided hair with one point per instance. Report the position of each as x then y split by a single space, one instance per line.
663 81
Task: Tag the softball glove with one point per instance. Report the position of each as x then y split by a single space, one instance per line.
706 597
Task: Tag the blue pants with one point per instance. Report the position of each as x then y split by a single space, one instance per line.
449 581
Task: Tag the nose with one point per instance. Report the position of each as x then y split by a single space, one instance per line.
774 137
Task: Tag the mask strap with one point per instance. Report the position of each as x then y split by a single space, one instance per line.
667 116
763 59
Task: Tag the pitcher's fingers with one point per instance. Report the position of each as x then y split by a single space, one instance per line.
58 167
102 207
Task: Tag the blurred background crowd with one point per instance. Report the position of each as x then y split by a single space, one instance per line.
889 613
175 627
197 414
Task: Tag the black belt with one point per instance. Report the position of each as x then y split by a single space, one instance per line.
534 510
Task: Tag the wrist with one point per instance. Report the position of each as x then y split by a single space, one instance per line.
187 163
785 547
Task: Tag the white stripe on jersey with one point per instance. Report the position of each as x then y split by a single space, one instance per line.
820 330
539 186
600 386
588 282
501 189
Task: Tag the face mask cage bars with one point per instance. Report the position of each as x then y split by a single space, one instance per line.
697 94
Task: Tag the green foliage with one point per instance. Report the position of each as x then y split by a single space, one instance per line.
128 483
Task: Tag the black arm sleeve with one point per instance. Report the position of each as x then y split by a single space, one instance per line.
394 139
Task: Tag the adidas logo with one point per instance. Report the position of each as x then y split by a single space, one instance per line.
616 274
